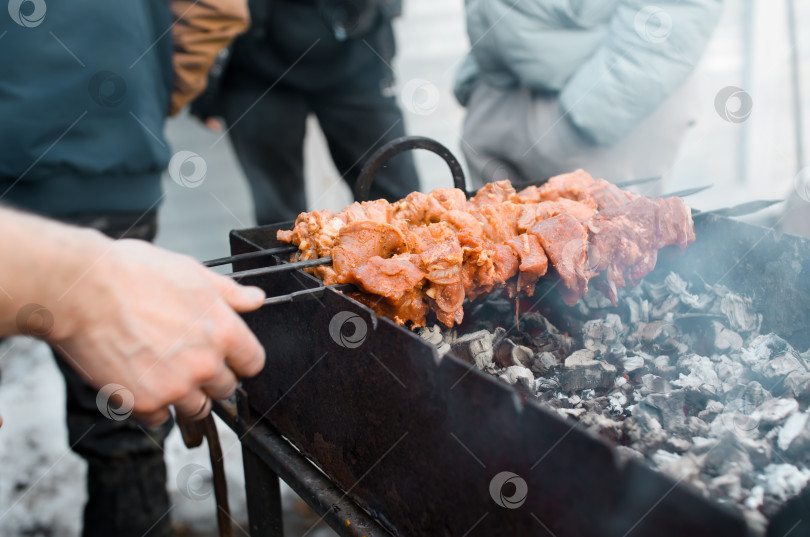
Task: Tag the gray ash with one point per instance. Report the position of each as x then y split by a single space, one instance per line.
677 374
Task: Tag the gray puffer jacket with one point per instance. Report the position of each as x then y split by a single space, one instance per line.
610 62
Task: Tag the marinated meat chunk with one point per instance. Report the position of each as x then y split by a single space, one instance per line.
530 214
418 208
565 241
533 262
357 243
495 194
499 222
391 278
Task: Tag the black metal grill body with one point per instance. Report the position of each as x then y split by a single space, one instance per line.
416 440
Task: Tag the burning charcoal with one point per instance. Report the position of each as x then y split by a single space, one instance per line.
519 375
746 398
475 348
602 426
597 335
700 374
774 411
728 456
797 385
728 371
443 349
575 413
645 432
574 400
595 300
654 384
781 482
660 336
675 285
725 339
727 486
522 356
696 427
509 354
503 353
713 408
432 335
544 384
616 403
739 312
678 445
669 305
639 311
681 467
702 445
616 351
668 409
755 519
759 451
544 362
794 437
583 372
625 453
771 356
662 365
632 363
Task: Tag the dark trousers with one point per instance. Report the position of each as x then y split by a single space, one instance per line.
126 473
357 112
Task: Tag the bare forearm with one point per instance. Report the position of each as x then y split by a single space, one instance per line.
41 260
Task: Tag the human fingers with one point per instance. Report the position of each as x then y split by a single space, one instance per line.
243 352
194 406
242 298
153 419
222 385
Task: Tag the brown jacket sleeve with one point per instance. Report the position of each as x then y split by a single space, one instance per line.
201 29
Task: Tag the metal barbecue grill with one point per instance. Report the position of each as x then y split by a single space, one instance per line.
381 436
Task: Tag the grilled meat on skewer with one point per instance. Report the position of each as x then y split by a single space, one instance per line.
428 252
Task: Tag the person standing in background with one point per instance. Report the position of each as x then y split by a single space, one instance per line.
603 85
331 58
84 96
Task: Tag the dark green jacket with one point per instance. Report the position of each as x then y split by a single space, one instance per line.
84 93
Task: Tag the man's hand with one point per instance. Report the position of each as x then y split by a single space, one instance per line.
125 312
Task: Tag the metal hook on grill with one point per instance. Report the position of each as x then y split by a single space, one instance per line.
400 145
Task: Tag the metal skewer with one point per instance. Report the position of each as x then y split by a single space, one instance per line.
308 294
687 192
286 267
744 209
250 255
